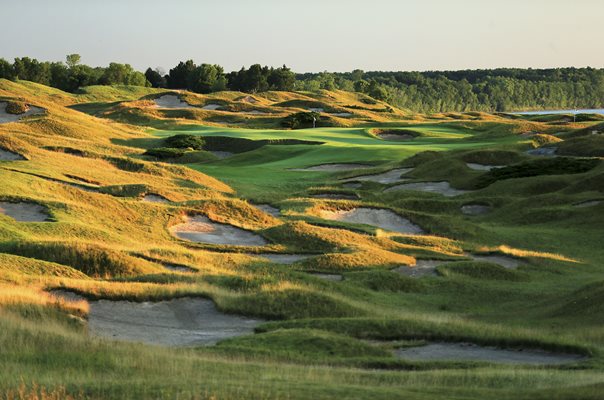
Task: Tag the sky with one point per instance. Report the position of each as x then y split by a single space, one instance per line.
309 35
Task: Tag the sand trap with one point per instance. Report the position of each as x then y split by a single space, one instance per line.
255 112
443 188
392 176
341 114
543 151
384 219
6 155
211 107
155 198
24 212
179 322
249 99
472 352
267 208
286 259
201 230
504 261
421 268
589 203
6 117
332 167
352 185
482 167
335 196
475 209
328 277
316 109
222 154
178 267
171 101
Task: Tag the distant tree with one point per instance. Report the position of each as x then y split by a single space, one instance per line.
361 86
29 69
327 81
206 78
155 78
72 60
178 76
122 74
6 69
281 79
357 75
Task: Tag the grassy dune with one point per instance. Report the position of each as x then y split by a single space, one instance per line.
84 163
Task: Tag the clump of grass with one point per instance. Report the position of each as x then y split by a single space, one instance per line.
16 107
38 392
135 190
543 139
387 281
185 141
163 153
551 166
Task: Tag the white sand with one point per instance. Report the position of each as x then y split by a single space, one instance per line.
482 167
443 188
201 230
380 218
155 198
589 203
171 101
504 261
24 212
475 209
283 258
472 352
421 268
335 196
392 176
211 107
6 117
341 114
6 155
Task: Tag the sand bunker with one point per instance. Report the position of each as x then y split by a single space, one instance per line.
211 107
7 117
328 277
384 219
475 209
421 268
443 188
249 99
171 101
178 267
332 167
255 112
24 212
316 109
482 167
267 208
335 196
201 230
543 151
392 176
504 261
472 352
286 259
179 322
155 198
589 203
341 114
6 155
222 154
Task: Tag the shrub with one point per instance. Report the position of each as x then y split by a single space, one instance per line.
185 142
16 107
300 120
165 153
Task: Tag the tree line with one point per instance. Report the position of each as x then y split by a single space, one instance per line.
503 89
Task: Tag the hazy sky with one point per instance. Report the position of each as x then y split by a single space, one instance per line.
309 35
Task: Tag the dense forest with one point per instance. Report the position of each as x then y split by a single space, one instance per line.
433 91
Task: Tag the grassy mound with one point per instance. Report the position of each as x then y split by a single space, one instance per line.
479 270
384 281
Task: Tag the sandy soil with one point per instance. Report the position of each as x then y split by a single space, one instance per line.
6 117
171 101
472 352
201 230
543 151
384 219
222 154
267 208
6 155
443 188
475 209
155 198
341 114
335 196
24 212
283 258
482 167
421 268
332 167
589 203
328 277
249 99
392 176
504 261
179 322
211 107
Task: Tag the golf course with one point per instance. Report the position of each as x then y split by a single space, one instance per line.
159 243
